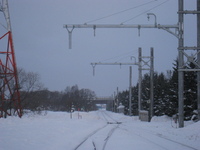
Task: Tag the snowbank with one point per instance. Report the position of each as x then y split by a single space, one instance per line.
160 119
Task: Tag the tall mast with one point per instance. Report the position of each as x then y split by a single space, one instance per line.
9 84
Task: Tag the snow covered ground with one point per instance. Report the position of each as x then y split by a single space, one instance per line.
56 131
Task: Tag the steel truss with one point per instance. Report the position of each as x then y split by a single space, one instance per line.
9 86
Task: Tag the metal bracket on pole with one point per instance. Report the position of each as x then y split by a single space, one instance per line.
70 36
139 30
148 16
168 30
134 59
93 66
94 30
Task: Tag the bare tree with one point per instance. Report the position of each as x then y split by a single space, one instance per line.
29 82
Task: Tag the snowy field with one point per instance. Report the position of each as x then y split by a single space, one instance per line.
56 131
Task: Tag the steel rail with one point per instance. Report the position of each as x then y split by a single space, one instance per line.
99 129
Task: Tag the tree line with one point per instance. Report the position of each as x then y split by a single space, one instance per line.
72 98
165 93
35 97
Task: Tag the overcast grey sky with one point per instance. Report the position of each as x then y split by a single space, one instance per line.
41 42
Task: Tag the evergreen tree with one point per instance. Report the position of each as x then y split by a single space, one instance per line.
145 92
171 106
161 88
124 100
135 100
190 92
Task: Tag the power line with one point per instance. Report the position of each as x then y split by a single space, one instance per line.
120 12
144 12
120 59
128 53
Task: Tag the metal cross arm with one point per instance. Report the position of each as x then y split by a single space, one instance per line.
138 26
118 26
115 63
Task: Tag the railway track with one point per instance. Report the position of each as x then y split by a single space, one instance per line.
99 138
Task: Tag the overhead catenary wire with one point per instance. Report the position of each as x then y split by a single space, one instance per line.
120 12
124 55
144 12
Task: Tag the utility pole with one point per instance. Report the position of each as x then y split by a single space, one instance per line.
180 66
139 80
146 63
198 58
183 53
151 84
117 98
130 91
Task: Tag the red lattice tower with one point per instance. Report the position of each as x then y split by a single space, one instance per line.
9 86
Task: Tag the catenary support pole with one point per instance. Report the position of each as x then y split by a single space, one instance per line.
117 99
139 78
152 84
198 59
180 66
130 91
